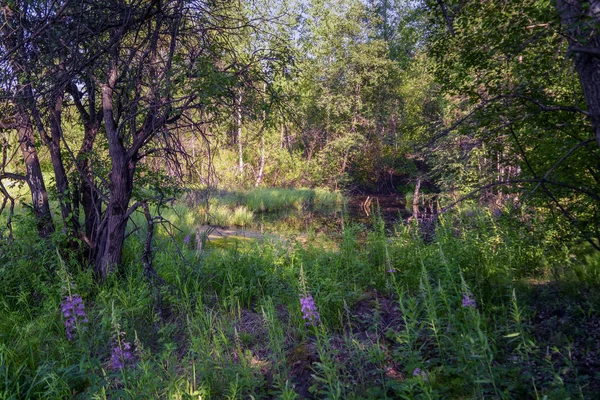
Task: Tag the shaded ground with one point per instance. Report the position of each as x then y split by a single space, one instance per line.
391 207
213 232
373 323
565 326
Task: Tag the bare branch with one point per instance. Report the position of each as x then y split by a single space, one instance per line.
565 212
587 50
562 159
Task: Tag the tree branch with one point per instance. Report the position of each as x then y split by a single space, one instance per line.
587 50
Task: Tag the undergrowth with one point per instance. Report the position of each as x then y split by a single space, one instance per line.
238 208
482 307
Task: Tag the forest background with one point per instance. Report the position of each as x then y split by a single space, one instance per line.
130 130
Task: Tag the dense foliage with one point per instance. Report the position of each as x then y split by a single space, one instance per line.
357 314
299 199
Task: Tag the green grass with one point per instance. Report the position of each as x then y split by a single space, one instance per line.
273 199
277 199
227 322
225 216
241 208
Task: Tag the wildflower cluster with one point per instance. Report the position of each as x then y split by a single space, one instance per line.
309 311
468 301
74 313
418 372
121 354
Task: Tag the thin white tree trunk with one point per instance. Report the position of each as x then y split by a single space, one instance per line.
262 161
239 134
416 199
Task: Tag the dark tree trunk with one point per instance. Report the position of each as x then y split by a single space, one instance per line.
60 174
52 142
238 124
35 179
84 191
447 17
12 32
115 221
112 236
91 211
584 43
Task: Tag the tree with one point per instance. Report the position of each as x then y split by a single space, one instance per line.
17 85
348 97
518 102
143 74
580 21
402 25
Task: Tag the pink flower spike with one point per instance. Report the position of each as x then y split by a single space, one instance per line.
309 311
468 301
74 314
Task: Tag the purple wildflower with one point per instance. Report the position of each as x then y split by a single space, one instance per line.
74 313
392 271
309 311
187 239
418 372
468 301
121 355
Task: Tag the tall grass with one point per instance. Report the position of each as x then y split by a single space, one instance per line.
238 208
273 199
227 323
277 199
225 216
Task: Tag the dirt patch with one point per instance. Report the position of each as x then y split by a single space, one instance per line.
301 359
391 207
253 333
374 312
213 232
362 355
566 326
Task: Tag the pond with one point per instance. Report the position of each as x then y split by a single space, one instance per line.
310 221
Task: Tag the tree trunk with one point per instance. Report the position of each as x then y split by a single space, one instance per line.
115 221
60 175
447 17
35 179
112 229
12 31
86 194
52 142
584 44
415 203
262 161
344 161
238 111
386 36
